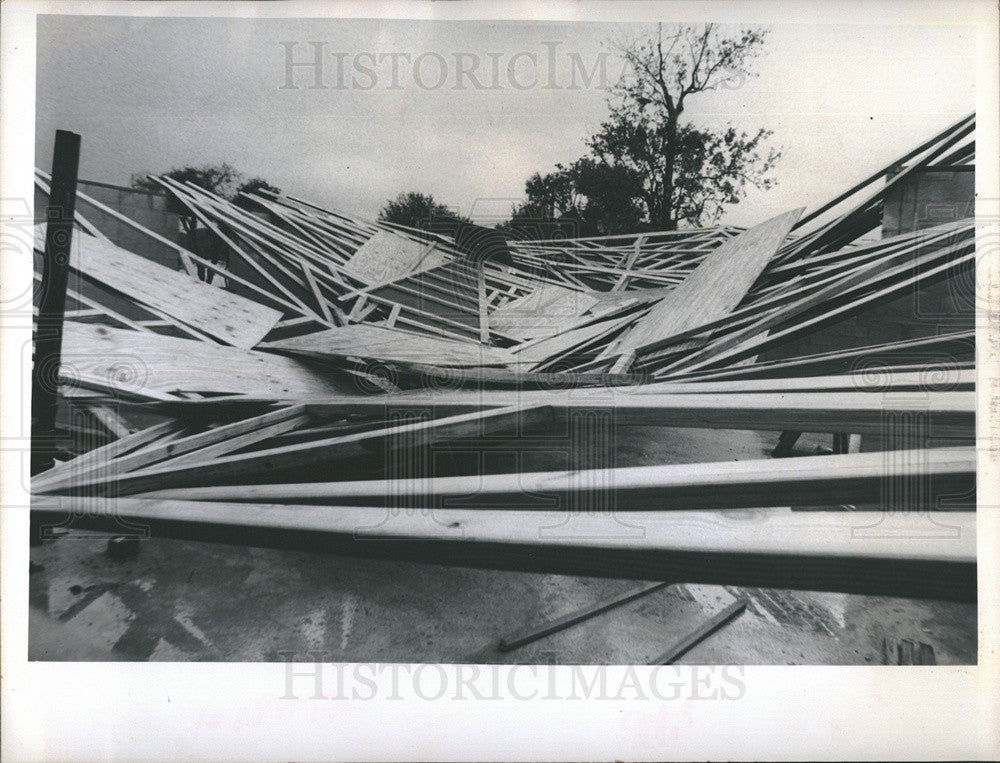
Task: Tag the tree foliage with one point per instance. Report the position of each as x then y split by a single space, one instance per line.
648 168
221 179
253 185
588 198
418 210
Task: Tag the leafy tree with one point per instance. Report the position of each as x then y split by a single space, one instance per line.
418 210
647 167
252 186
612 193
551 209
588 198
688 174
220 179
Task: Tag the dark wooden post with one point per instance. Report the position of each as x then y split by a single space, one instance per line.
49 327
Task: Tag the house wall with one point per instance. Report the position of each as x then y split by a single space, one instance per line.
148 209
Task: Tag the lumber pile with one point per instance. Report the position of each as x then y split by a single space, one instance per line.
312 379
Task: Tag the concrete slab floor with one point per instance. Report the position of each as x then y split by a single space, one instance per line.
180 600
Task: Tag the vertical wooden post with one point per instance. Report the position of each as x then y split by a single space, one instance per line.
484 318
55 270
622 281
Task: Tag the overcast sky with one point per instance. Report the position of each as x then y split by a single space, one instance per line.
148 94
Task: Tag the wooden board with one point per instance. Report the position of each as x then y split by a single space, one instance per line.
228 317
817 551
856 478
714 288
387 256
402 432
947 414
552 346
366 341
202 446
120 359
545 311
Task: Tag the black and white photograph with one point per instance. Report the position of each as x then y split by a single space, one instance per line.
458 353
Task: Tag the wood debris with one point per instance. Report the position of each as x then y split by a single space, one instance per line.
297 382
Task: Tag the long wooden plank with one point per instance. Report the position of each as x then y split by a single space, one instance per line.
714 288
395 436
535 632
221 439
496 378
949 413
112 450
857 478
945 354
220 314
864 410
202 455
884 380
948 390
689 641
896 556
365 341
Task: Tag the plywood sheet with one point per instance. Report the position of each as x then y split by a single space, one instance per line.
361 340
547 310
387 256
166 364
544 349
714 288
233 319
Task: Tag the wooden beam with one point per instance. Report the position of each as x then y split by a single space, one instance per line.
950 413
857 478
817 551
508 420
229 437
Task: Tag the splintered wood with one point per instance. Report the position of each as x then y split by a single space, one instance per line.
310 379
